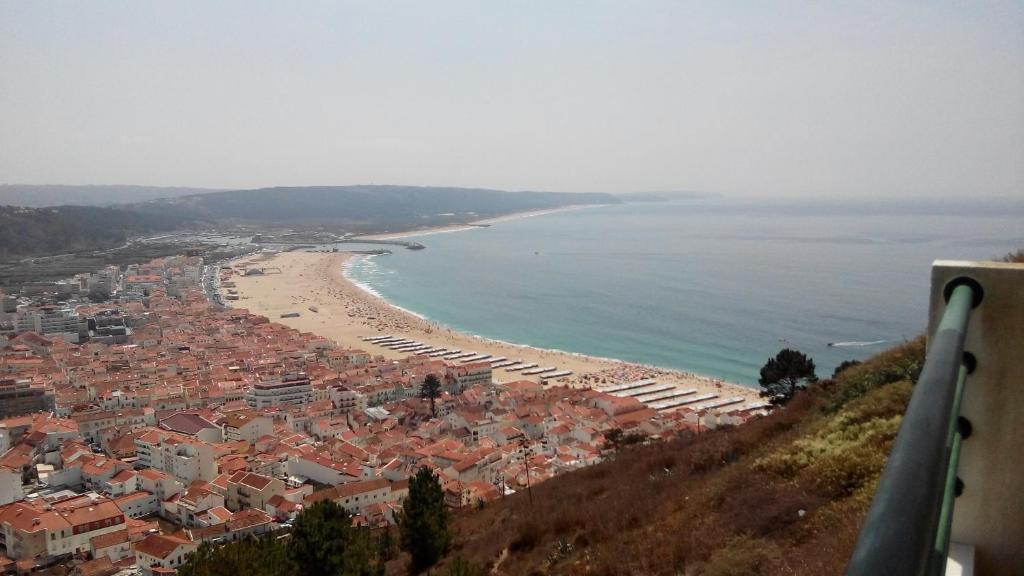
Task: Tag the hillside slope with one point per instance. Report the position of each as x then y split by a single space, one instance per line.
365 207
65 229
782 495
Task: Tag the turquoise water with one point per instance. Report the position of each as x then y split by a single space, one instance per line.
708 289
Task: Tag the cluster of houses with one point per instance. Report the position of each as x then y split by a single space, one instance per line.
207 424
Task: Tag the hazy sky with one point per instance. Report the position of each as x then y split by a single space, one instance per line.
872 99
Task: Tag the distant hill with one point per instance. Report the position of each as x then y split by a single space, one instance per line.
363 208
65 229
37 196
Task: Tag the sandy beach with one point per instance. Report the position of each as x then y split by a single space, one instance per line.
346 314
474 224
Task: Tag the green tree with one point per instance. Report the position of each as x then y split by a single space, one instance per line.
425 521
324 543
786 374
431 390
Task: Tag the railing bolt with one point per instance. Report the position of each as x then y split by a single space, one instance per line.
979 292
970 361
964 426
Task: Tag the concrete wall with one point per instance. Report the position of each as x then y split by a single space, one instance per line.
990 513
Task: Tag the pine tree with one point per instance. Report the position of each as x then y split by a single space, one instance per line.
425 521
431 390
785 375
324 543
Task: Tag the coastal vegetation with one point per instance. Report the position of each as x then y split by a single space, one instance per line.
1015 257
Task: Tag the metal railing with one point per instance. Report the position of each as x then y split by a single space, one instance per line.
906 532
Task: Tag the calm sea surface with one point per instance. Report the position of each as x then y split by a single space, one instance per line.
706 289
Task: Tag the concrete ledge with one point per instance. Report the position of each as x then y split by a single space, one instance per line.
990 513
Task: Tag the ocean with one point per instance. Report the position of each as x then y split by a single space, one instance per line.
700 286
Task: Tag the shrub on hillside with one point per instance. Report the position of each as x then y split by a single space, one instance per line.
743 555
850 450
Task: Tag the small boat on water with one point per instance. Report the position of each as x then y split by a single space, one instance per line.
314 309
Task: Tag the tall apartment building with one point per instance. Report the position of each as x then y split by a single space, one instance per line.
18 397
460 377
290 389
52 322
181 457
142 284
8 306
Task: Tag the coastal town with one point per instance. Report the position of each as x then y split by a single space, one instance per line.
140 417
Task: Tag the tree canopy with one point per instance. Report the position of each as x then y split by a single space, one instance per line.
323 542
786 374
431 390
425 521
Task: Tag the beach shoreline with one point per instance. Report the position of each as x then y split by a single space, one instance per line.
347 312
474 224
